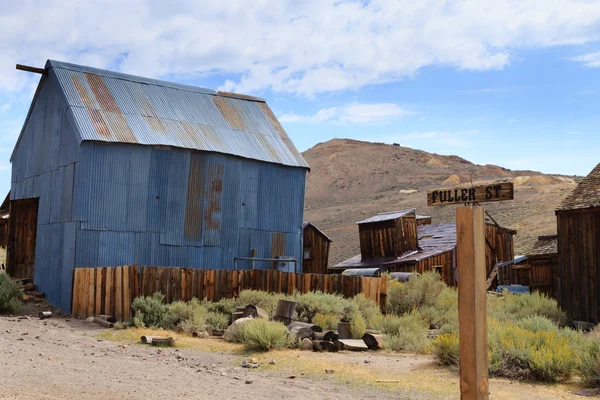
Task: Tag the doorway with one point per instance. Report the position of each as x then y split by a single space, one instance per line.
22 229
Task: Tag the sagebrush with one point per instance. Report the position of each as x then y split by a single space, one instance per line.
9 295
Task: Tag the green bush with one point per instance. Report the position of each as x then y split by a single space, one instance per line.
445 349
310 304
419 291
266 301
589 363
537 324
262 335
217 321
223 306
518 353
513 307
407 333
151 308
358 327
369 309
326 321
9 295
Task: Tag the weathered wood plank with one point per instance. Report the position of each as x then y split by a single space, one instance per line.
472 194
119 293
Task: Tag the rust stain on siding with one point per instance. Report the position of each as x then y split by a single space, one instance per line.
212 218
117 122
90 105
155 124
230 113
193 208
274 121
265 144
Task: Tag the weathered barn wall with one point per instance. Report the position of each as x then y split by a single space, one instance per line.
388 238
43 166
579 263
499 246
317 246
164 206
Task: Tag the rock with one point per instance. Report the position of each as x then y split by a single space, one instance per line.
89 319
250 364
306 344
248 381
329 371
26 298
272 362
29 287
231 331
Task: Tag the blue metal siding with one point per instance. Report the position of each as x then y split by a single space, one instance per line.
43 166
237 204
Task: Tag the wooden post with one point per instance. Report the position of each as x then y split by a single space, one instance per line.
472 315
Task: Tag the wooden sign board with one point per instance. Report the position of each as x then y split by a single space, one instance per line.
473 194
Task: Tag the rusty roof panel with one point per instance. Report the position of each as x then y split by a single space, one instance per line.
114 107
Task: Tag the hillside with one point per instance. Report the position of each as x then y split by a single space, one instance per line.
351 180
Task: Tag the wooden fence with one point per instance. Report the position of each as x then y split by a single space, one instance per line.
111 290
104 291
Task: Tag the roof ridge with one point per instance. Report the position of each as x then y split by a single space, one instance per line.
128 77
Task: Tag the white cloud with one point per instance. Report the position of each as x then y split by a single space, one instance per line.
367 114
290 46
572 133
451 139
589 59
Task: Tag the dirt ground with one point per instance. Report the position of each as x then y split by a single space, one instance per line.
62 358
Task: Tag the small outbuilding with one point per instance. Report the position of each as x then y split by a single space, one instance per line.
315 248
578 228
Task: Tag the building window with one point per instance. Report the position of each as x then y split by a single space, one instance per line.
307 254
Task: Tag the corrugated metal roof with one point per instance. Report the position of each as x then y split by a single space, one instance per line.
114 107
586 194
386 216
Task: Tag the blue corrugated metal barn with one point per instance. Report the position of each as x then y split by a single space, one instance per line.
119 169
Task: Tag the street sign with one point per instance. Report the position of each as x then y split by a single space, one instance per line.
471 194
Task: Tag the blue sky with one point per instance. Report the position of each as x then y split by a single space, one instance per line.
512 83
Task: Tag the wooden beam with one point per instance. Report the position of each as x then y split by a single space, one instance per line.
31 69
472 316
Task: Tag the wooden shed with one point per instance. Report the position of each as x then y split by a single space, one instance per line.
578 228
426 247
315 249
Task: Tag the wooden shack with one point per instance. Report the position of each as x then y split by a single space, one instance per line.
423 220
578 228
427 247
315 249
389 234
536 269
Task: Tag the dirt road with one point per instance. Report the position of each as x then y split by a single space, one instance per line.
66 359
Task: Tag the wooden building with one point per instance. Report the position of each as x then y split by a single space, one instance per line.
578 228
537 269
315 249
426 247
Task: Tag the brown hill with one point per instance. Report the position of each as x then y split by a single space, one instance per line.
351 180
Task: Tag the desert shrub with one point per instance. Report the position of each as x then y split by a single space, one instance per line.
518 353
223 306
589 363
407 333
266 301
513 307
9 295
445 348
177 312
369 309
217 321
419 291
537 324
263 335
312 303
358 326
151 308
326 321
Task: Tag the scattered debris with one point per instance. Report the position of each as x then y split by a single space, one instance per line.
103 320
157 341
306 344
248 381
329 371
250 364
45 314
354 344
